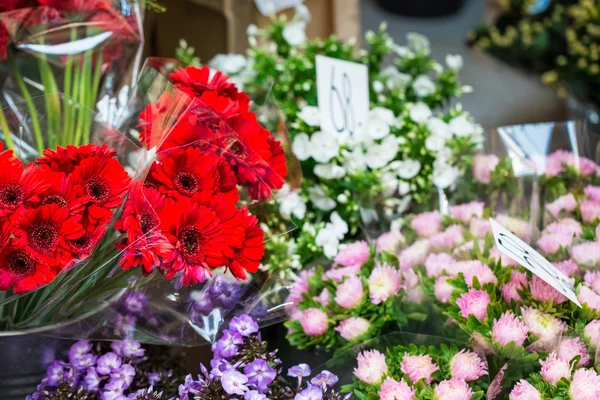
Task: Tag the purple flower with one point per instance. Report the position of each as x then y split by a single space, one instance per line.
189 386
224 294
128 348
135 302
91 380
126 372
260 374
325 378
254 395
79 353
108 363
201 302
234 382
113 389
55 372
244 325
153 378
310 393
228 344
299 371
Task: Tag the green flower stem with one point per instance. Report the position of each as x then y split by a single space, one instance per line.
35 123
84 92
6 131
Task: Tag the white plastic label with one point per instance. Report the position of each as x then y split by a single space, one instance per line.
343 95
269 7
521 252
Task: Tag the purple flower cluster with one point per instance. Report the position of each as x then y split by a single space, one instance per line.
117 371
243 369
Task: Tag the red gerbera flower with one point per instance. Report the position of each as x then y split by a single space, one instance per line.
19 186
82 247
10 5
23 269
77 6
44 231
66 159
273 176
105 182
62 192
157 121
185 172
196 81
249 255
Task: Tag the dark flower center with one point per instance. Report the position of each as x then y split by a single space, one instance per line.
82 243
43 236
191 239
11 196
148 221
98 189
186 183
21 264
55 198
236 148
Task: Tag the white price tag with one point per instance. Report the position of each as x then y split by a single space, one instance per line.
521 252
343 95
269 7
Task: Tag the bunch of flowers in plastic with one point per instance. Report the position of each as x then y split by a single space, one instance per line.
244 369
116 371
55 211
420 372
186 210
354 300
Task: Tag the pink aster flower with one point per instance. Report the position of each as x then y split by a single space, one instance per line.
593 193
391 389
586 253
427 224
551 243
323 298
479 227
554 369
350 293
524 391
314 322
590 211
453 389
592 278
418 367
338 274
483 165
300 286
560 159
589 297
436 263
543 292
414 292
443 290
505 260
570 348
518 281
371 367
592 333
389 241
385 281
451 237
464 212
475 303
509 328
519 227
566 226
546 327
352 328
353 254
414 254
483 273
567 267
468 366
563 203
585 385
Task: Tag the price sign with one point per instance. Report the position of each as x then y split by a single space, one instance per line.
343 95
270 7
521 252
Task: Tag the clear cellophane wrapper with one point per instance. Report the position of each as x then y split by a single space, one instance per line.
154 304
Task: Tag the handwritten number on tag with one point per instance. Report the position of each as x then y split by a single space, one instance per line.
344 104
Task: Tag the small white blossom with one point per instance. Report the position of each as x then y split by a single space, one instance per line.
302 13
445 176
379 155
377 128
435 143
454 61
329 171
323 146
423 86
328 240
368 215
320 199
401 51
378 87
396 79
290 203
403 188
342 198
310 115
229 64
386 115
389 181
419 43
420 112
439 128
462 127
295 33
252 30
339 225
409 168
354 161
301 146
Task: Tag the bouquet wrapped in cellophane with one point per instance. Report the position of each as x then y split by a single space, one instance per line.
134 257
83 50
